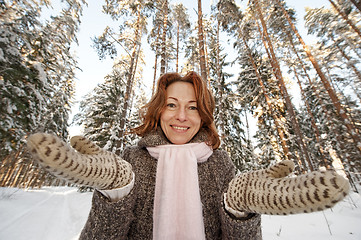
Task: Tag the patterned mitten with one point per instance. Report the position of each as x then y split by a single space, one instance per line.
88 166
269 191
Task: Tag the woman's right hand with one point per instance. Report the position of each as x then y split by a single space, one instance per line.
87 165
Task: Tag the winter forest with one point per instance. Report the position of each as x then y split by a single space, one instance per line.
277 97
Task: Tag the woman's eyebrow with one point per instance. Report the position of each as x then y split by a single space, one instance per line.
173 98
176 99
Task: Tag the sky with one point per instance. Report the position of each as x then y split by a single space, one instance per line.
94 22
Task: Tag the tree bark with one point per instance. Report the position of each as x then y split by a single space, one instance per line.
202 56
129 84
164 37
357 4
156 59
177 50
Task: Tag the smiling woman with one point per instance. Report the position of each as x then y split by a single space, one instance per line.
180 175
180 119
175 183
184 97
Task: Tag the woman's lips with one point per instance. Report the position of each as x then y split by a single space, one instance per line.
179 128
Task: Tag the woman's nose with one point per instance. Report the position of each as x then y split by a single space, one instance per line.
181 115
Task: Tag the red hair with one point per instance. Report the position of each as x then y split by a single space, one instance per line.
205 105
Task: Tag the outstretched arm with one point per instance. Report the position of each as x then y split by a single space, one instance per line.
270 191
84 163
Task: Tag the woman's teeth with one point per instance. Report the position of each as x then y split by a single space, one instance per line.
180 128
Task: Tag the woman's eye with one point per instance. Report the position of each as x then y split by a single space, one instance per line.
171 105
193 108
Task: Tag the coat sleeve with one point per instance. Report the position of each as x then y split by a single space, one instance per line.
240 228
248 227
109 219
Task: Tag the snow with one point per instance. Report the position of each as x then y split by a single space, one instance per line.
60 213
48 213
41 73
342 222
2 58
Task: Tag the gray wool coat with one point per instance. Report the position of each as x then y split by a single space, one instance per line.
132 216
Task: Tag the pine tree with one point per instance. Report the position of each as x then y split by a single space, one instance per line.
258 92
100 110
191 55
37 70
227 113
352 131
201 43
36 82
165 12
182 27
340 61
338 43
129 38
155 44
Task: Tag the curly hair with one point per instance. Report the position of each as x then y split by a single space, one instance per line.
205 104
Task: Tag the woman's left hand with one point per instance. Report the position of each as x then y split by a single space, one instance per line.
269 191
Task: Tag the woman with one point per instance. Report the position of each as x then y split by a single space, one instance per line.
180 112
176 183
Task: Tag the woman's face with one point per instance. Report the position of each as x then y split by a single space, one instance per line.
180 119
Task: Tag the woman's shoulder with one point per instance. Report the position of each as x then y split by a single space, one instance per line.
131 153
221 166
221 158
221 155
131 150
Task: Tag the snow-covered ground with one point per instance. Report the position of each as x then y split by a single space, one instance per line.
60 213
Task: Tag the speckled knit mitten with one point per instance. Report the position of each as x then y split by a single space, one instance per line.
269 191
88 166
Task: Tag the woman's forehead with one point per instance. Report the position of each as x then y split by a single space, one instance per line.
181 90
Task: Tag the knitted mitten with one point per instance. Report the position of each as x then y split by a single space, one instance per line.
88 166
270 192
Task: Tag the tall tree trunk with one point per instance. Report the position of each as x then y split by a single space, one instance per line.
335 100
202 56
327 114
308 108
349 63
357 4
177 52
354 69
130 80
269 104
164 37
219 80
313 120
155 73
156 59
278 74
340 142
344 16
134 83
206 57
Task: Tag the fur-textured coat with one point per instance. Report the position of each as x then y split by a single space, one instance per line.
132 216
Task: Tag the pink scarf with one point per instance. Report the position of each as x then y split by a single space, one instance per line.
177 203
